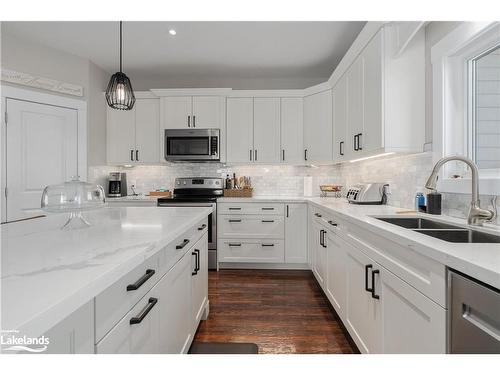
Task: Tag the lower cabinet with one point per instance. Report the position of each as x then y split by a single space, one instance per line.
251 251
295 233
199 279
336 272
319 253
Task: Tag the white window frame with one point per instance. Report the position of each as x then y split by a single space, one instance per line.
451 82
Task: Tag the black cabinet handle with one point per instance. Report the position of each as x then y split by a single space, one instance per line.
267 245
359 141
267 208
141 281
287 211
132 155
332 223
234 244
250 155
283 152
305 154
194 121
196 254
341 146
202 227
324 244
321 238
318 215
356 142
145 311
367 268
235 220
235 208
189 121
373 284
255 155
182 245
267 221
136 155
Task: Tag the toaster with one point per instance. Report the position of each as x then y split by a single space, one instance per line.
373 193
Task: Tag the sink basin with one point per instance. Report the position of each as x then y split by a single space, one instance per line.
417 223
460 235
442 231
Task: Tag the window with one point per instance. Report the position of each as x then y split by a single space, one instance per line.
484 107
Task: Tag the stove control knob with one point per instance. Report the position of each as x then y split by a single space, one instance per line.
184 182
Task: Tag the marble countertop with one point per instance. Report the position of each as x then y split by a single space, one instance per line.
133 198
48 273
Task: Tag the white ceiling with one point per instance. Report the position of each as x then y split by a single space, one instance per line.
223 54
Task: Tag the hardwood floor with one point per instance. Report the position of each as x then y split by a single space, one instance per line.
280 311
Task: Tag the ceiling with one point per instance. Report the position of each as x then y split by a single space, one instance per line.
222 54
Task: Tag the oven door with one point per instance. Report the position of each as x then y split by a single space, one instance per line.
192 144
212 227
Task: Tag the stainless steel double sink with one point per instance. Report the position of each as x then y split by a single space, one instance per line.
442 231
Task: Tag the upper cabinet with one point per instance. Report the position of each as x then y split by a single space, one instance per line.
291 131
318 128
179 112
378 103
239 130
266 130
132 136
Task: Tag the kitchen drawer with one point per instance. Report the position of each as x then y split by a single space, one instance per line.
251 208
133 335
116 301
251 251
251 226
174 251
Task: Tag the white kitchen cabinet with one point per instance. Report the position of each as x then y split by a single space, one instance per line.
336 262
75 334
295 233
341 148
251 250
251 226
132 136
266 130
207 112
176 112
239 144
180 112
319 254
291 133
199 280
354 106
318 127
363 313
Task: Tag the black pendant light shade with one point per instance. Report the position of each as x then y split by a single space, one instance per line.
119 93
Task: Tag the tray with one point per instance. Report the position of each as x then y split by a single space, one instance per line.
238 193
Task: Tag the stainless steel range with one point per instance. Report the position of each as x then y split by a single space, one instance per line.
199 192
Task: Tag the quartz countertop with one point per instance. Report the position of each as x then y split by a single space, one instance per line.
48 273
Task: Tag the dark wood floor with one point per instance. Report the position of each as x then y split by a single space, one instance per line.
280 311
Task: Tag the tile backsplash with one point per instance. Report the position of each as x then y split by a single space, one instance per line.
405 174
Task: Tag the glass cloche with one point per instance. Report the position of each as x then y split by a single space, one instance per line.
73 197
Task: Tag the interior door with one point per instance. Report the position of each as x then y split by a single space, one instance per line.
292 117
41 150
266 130
239 143
207 112
176 112
147 123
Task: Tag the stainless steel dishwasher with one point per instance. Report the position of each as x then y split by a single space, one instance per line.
473 316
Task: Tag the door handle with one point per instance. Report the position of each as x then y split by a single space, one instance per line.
267 208
194 121
376 296
149 273
318 215
250 155
267 245
234 244
360 135
235 208
356 142
305 154
202 227
321 238
283 152
196 254
267 221
131 155
367 268
324 244
138 319
235 220
136 155
332 223
189 121
287 211
182 245
341 146
255 151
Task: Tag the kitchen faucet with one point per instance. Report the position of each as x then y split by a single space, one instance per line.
477 215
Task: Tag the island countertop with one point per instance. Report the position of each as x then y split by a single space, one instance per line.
48 273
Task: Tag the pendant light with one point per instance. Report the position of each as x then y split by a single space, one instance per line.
119 93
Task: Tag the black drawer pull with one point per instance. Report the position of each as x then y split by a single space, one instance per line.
376 296
234 244
332 223
202 227
267 245
368 267
145 311
268 221
141 281
196 253
235 208
183 244
235 220
318 215
267 208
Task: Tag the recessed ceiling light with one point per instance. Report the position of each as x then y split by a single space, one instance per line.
172 32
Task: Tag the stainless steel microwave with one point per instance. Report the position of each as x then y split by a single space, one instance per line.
192 144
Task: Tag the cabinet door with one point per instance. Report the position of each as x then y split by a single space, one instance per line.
199 277
207 112
321 257
354 104
147 125
292 117
318 127
412 323
120 136
363 313
341 146
296 233
176 112
239 140
371 138
336 272
266 130
176 319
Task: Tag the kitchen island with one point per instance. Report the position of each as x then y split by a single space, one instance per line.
49 274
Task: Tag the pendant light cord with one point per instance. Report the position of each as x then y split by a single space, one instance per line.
120 46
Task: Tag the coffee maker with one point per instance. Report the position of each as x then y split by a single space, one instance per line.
117 185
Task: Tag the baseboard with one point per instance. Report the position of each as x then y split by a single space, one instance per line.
265 266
